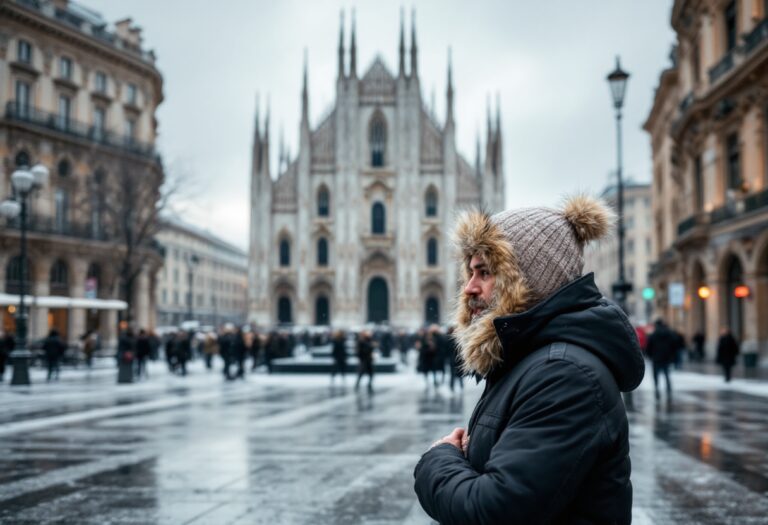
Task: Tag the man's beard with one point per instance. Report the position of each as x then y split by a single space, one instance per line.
474 303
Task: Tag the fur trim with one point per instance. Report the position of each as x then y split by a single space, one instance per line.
591 219
476 234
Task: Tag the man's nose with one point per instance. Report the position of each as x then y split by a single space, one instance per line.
472 288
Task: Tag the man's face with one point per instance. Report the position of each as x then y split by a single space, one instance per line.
479 289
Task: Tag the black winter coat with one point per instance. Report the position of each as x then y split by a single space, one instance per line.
548 441
663 345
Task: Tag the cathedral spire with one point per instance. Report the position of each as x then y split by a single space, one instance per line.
414 49
498 115
341 45
478 168
401 70
304 94
256 135
353 50
449 92
488 116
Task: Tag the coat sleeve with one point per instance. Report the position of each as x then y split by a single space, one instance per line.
537 465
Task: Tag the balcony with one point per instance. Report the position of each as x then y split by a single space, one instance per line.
48 226
758 35
51 121
722 67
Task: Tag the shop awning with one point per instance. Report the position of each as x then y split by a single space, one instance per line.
53 301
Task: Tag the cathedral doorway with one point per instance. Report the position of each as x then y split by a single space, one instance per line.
284 311
322 311
432 311
378 301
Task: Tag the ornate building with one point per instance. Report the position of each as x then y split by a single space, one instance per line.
204 278
80 99
356 228
710 178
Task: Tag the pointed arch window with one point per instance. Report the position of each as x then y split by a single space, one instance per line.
322 252
378 219
432 252
285 253
378 141
323 202
430 203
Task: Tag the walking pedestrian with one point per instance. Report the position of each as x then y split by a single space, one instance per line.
454 357
662 349
54 349
89 347
727 350
239 351
210 349
170 352
6 347
256 344
698 346
226 341
339 354
549 440
365 357
143 350
183 351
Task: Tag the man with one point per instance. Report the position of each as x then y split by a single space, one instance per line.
727 350
662 348
365 359
548 441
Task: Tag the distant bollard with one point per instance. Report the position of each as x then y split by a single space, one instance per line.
125 368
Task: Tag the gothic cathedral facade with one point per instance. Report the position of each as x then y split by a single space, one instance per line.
356 228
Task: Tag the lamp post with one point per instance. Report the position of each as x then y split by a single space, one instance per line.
24 182
192 261
617 79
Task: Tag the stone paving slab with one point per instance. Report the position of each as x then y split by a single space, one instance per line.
291 449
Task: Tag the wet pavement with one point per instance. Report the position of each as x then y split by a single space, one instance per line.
290 449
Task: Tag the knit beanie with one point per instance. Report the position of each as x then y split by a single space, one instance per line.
549 244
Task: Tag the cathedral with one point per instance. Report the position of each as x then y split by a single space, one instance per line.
356 227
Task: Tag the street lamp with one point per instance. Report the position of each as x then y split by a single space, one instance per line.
618 82
192 261
24 182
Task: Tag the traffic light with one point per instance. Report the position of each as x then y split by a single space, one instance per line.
649 293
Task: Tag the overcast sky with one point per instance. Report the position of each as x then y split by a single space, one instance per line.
548 61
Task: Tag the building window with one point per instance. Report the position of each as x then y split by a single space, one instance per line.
430 203
733 171
59 278
99 122
378 219
65 111
130 130
176 298
101 82
64 169
24 52
176 275
698 185
13 276
630 246
432 252
629 223
729 16
22 159
432 311
322 252
62 209
130 94
23 98
65 68
165 296
285 253
323 202
378 141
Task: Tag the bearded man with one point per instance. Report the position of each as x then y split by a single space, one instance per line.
548 440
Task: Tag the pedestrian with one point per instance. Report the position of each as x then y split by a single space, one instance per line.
170 352
549 440
339 354
727 350
126 354
226 351
365 357
662 349
210 349
256 344
698 346
454 357
428 356
183 351
239 351
6 347
89 347
271 349
680 350
154 345
143 349
54 349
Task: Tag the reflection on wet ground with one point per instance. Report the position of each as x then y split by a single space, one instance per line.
292 450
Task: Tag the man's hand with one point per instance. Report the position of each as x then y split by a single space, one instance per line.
458 438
